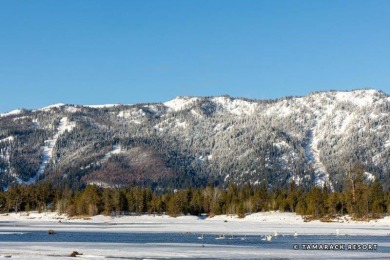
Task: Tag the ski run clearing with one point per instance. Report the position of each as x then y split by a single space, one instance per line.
47 149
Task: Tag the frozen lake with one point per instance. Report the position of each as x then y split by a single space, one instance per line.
188 245
280 241
190 237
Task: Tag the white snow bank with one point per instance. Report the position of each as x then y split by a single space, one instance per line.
256 223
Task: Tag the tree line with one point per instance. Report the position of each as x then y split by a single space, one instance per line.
359 198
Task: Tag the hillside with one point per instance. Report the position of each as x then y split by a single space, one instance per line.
191 141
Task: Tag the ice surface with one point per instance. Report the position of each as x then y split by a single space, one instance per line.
259 224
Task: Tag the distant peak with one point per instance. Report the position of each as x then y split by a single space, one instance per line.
370 91
52 106
102 106
13 112
179 103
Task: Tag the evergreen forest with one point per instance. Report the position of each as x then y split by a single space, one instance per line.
359 199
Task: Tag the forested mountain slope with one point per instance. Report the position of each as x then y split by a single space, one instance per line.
191 141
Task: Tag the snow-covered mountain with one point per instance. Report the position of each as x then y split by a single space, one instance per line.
311 140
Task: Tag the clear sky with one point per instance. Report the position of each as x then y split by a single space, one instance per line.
96 52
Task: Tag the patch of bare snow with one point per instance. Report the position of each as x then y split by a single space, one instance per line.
101 184
11 113
218 127
71 109
369 176
281 144
52 106
181 124
341 121
131 114
137 122
123 114
180 103
7 139
159 127
359 97
102 106
20 118
153 108
116 149
5 154
296 179
236 106
376 158
196 114
280 109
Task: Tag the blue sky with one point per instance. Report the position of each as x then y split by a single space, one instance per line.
95 52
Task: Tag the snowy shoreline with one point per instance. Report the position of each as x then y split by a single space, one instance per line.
258 224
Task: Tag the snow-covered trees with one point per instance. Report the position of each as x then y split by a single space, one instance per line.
194 141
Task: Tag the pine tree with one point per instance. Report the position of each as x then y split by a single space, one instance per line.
316 202
92 199
108 202
376 199
240 210
301 207
3 201
15 197
357 192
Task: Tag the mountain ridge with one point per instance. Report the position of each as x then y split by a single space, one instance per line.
311 140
